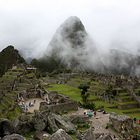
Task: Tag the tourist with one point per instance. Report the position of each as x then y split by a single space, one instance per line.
135 120
34 101
94 113
139 122
85 112
29 104
32 104
104 112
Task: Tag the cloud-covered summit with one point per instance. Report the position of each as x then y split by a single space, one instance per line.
72 44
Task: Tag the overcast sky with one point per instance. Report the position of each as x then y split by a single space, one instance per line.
30 24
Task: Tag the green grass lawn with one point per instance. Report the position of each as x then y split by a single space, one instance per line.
75 82
72 92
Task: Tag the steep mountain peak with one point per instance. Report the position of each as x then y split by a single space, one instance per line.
8 49
71 46
73 23
71 34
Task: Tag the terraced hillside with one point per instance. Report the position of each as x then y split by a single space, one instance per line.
8 106
123 103
12 83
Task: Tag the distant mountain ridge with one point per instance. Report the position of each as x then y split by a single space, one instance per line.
8 57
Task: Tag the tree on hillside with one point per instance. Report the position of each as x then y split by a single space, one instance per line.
84 94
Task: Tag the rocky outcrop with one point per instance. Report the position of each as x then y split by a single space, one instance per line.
23 124
40 120
6 127
60 135
13 137
105 137
52 122
64 124
91 135
77 119
41 135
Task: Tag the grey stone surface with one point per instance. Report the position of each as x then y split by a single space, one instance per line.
60 135
89 134
105 137
51 122
41 135
6 127
23 124
79 119
66 125
13 137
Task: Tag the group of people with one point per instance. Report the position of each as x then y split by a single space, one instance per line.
136 121
26 106
90 113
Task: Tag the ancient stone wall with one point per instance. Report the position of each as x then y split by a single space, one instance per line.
122 124
128 106
137 98
57 108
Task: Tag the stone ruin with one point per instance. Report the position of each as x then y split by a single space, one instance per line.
123 125
32 93
50 100
58 103
40 122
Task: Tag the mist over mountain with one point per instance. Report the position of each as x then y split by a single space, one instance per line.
72 47
71 43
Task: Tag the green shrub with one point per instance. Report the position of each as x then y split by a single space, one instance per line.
89 106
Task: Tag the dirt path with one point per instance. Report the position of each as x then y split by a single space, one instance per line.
99 123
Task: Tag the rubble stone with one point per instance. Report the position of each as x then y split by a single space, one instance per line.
60 135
